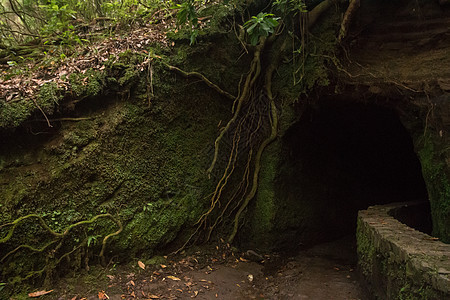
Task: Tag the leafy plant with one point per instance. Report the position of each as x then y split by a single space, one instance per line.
92 240
60 14
187 15
288 6
261 25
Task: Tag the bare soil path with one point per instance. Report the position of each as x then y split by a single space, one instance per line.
326 271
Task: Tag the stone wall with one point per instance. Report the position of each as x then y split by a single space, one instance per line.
399 262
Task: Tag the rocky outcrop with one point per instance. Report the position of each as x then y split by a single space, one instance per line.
399 57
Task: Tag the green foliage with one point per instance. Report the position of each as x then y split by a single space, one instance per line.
186 13
59 14
188 16
290 6
261 25
64 21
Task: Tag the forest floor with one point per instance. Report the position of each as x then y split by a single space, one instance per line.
326 271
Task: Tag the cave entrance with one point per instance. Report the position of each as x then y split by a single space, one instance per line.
341 157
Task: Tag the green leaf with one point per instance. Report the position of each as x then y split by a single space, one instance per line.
265 27
193 38
254 39
91 239
273 22
250 29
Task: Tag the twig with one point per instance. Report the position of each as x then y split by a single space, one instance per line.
45 116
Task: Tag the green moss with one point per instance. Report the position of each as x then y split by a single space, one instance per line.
15 113
309 68
435 174
88 84
365 249
265 208
123 157
49 96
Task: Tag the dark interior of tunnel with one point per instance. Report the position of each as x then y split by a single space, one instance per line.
341 157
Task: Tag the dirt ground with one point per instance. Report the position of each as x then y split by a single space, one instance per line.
326 271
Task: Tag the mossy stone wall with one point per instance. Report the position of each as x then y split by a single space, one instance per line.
399 262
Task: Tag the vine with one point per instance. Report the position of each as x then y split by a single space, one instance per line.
56 243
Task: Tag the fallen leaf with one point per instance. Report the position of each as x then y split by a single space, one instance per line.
195 294
102 295
163 266
141 265
74 298
39 293
173 278
153 297
133 295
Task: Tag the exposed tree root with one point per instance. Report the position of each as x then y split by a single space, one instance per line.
250 119
252 193
252 76
203 78
56 243
273 134
348 17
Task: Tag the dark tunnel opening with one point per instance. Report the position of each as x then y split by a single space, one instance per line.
342 157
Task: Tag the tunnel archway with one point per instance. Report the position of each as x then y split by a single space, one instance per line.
341 157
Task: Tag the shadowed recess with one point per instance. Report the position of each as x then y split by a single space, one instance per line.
342 157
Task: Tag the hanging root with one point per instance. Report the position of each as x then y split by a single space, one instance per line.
273 134
57 241
252 76
251 194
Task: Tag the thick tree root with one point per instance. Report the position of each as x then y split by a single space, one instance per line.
348 17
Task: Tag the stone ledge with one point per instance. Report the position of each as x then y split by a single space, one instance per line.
399 262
